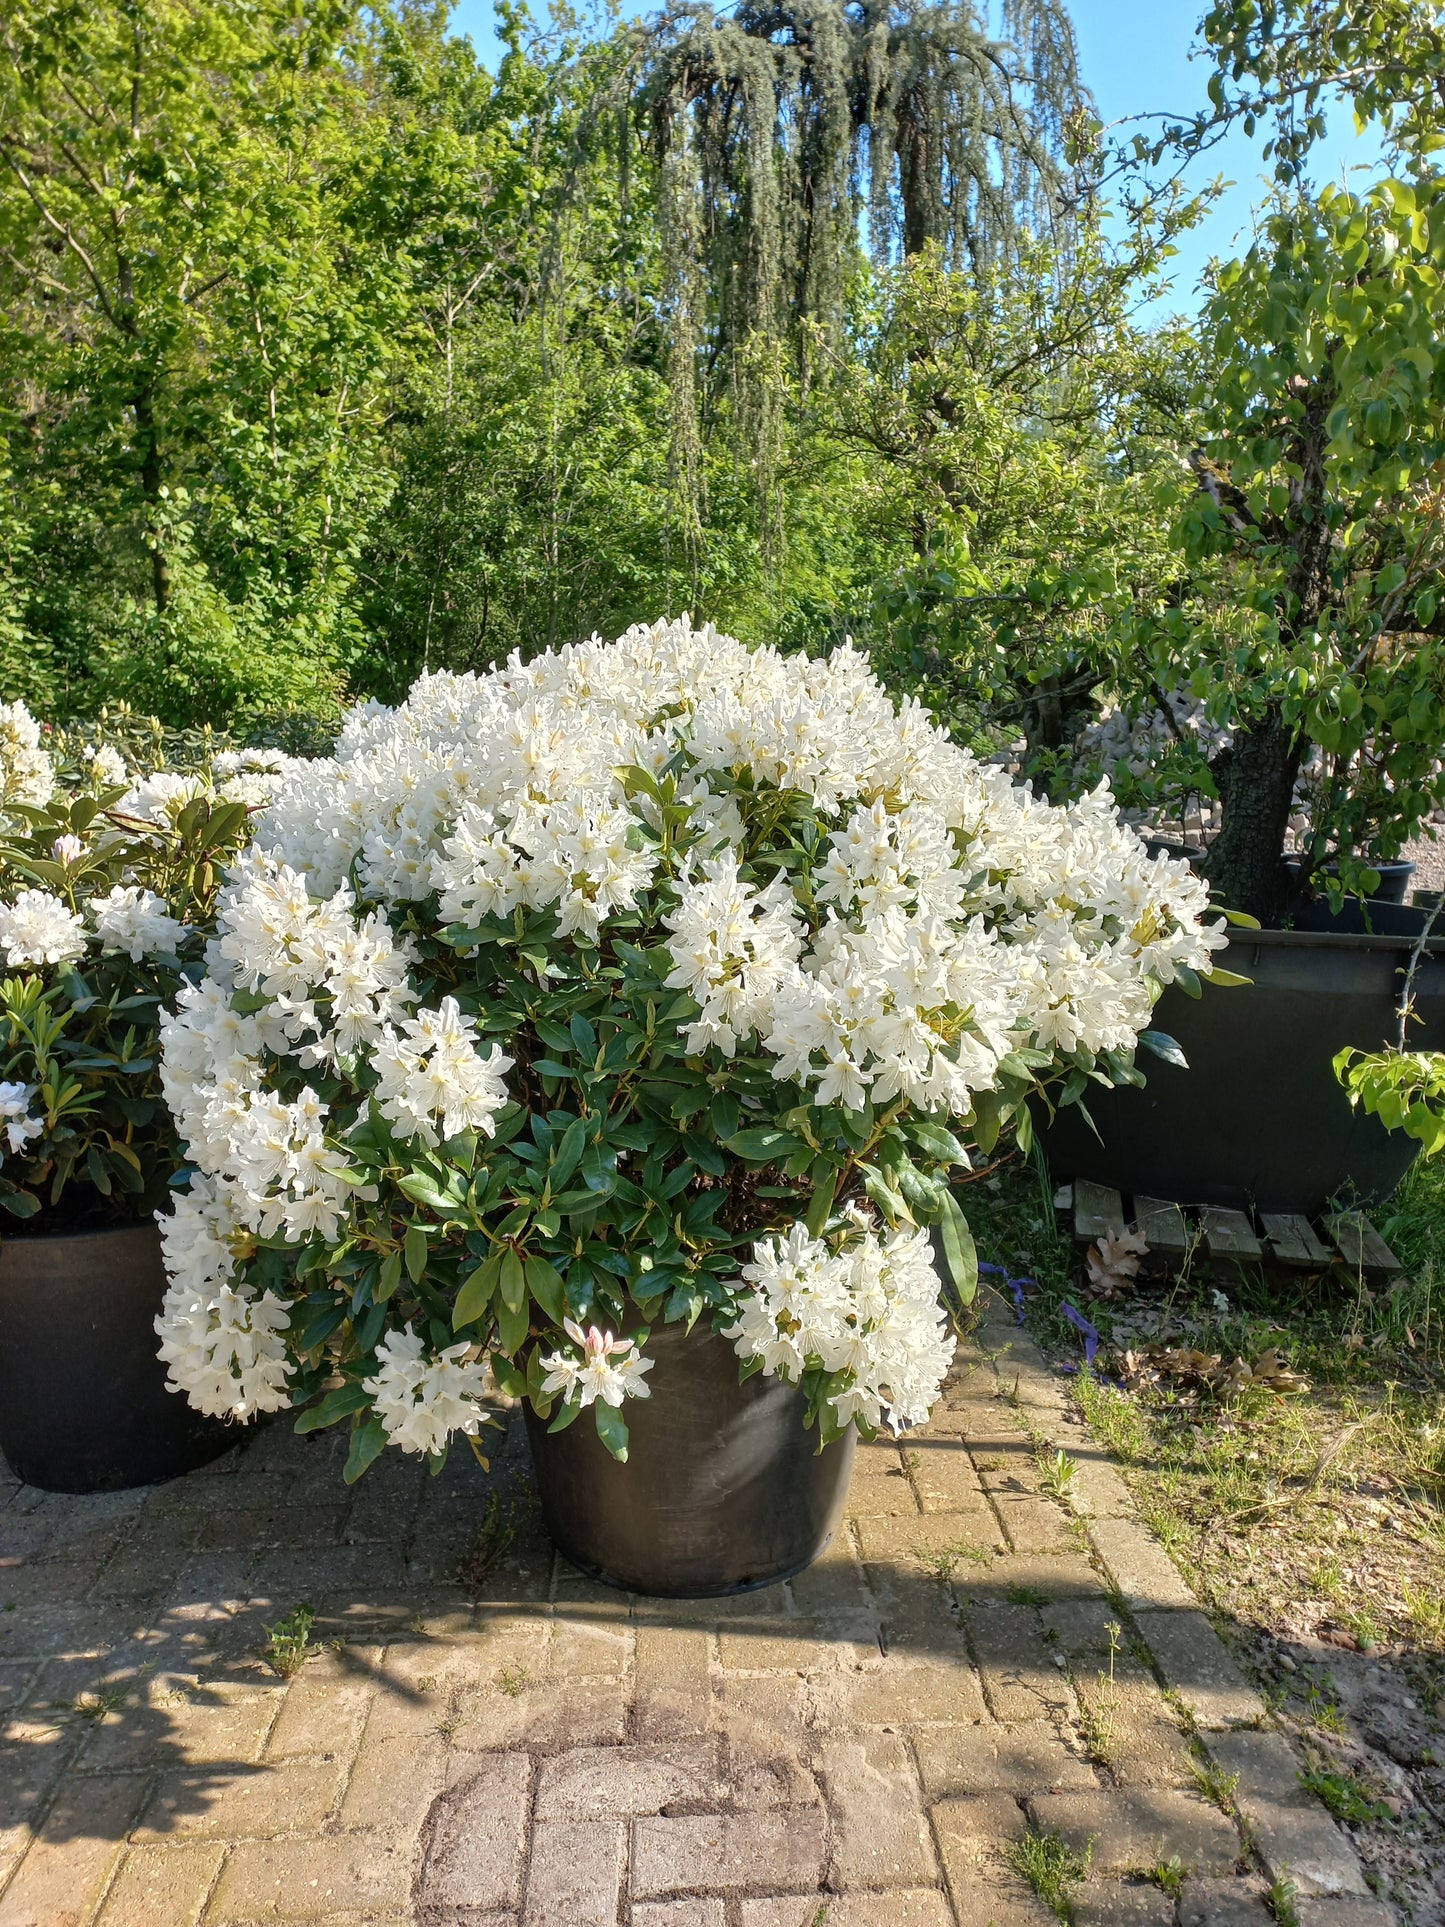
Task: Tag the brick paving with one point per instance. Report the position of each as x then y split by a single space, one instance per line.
484 1738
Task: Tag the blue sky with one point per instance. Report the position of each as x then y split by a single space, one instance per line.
1134 55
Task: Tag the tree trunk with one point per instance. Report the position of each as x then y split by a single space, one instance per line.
148 436
1245 867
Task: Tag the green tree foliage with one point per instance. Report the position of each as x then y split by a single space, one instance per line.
198 325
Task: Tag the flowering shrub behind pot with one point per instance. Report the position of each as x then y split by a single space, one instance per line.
656 981
106 886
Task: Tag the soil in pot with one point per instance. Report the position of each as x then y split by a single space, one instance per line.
723 1490
83 1399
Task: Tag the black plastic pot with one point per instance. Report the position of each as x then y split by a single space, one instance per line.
723 1489
1259 1117
83 1399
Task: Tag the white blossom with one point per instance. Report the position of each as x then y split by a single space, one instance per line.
15 1119
27 775
869 1311
136 921
38 929
423 1398
610 1368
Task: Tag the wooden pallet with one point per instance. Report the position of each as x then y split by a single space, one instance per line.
1345 1238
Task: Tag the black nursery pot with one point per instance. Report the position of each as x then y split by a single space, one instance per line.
83 1399
723 1489
1259 1118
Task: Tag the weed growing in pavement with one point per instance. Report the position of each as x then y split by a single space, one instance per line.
1096 1720
1057 1475
944 1561
1169 1876
94 1706
1026 1596
1051 1867
1280 1900
287 1641
512 1679
1217 1786
1346 1796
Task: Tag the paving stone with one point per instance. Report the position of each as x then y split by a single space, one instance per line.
478 1836
314 1878
588 1652
996 1902
916 1543
239 1802
834 1588
326 1706
209 1725
770 1703
672 1690
727 1853
1194 1663
945 1479
989 1758
547 1716
59 1881
603 1782
1033 1524
1020 1672
575 1873
972 1834
882 1494
30 1769
1117 1905
1141 1569
1038 1577
922 1908
1346 1912
901 1691
1223 1903
680 1913
393 1784
1135 1828
162 1884
1096 1491
879 1836
809 1646
1295 1836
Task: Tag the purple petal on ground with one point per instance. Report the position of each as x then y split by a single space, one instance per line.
1081 1324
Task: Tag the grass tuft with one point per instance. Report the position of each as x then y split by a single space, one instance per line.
1051 1867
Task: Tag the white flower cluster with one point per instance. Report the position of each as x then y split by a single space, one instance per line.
15 1119
223 1342
37 928
27 774
869 1311
136 922
934 918
964 914
422 1400
610 1368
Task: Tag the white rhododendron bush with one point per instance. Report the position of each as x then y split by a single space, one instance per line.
658 980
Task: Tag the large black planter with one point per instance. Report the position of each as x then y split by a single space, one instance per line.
83 1399
1259 1117
723 1489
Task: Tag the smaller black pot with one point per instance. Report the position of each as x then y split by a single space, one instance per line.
83 1399
724 1490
